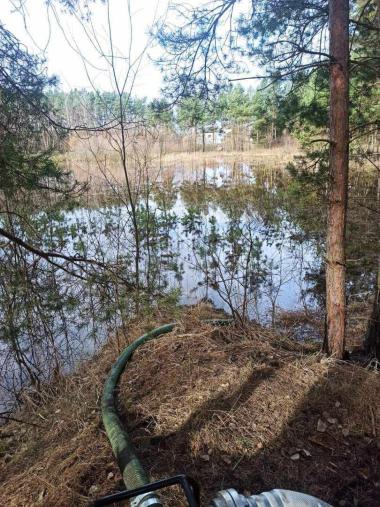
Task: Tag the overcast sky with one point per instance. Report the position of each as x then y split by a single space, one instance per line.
52 32
72 47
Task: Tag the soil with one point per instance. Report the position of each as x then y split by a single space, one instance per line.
231 407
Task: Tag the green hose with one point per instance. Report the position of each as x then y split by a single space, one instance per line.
131 469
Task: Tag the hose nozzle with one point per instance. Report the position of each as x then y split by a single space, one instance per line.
146 500
274 498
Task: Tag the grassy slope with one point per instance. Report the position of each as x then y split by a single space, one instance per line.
230 407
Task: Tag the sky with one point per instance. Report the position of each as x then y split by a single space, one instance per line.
72 51
78 52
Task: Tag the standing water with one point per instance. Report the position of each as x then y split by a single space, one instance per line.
249 240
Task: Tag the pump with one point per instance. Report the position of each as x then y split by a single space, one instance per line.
147 497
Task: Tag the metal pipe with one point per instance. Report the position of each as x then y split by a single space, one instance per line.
274 498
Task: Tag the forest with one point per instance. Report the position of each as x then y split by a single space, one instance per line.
190 253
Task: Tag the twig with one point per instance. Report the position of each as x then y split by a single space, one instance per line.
15 419
373 420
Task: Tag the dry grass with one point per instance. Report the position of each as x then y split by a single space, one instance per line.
228 406
94 160
275 157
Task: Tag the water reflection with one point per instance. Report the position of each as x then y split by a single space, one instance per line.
249 240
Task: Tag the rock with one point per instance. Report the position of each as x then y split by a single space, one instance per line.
226 460
321 426
259 445
93 490
332 420
110 476
345 432
205 457
295 457
306 453
337 405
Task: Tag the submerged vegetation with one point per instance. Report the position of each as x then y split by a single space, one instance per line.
249 240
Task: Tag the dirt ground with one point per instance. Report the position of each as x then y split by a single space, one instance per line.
242 408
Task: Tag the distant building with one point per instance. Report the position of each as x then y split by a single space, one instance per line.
213 134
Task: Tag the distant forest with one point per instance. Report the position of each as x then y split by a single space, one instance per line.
262 115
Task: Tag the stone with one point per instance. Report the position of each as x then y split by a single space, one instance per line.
93 490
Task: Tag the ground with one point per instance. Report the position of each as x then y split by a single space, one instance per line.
231 407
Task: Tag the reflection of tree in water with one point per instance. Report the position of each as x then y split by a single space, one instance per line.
289 212
48 316
165 194
306 210
228 246
197 196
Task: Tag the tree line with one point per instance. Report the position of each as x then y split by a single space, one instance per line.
263 110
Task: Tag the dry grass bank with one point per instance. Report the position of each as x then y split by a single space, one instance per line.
230 407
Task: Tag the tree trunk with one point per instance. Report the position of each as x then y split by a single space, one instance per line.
337 198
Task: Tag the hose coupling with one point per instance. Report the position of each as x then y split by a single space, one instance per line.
146 500
274 498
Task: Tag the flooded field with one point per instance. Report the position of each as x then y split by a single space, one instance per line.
249 240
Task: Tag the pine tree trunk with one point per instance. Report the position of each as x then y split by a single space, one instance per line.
337 199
